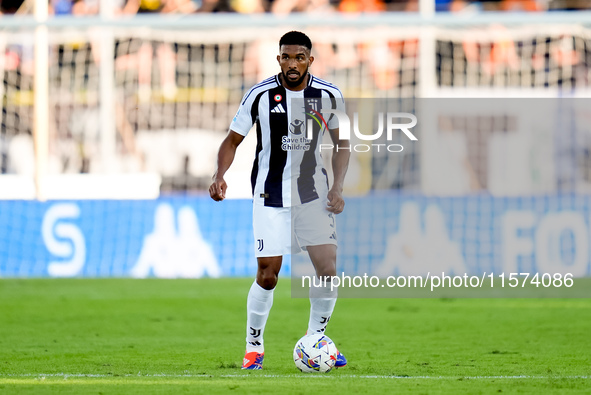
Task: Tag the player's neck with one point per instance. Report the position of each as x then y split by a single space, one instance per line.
298 88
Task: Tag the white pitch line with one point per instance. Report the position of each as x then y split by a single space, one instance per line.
322 376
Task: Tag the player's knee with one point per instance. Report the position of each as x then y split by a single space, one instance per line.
326 271
327 266
268 271
267 279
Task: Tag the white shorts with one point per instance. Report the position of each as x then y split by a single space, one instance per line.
289 230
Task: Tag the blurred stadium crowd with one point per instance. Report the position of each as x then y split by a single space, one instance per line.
175 93
280 7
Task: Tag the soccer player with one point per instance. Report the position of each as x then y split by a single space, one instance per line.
293 207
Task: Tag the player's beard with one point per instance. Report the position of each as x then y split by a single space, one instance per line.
293 84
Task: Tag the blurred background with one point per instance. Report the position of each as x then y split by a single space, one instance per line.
113 110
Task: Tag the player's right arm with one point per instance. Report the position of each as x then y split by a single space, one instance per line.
226 154
239 128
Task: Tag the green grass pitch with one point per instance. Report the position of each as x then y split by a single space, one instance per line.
123 336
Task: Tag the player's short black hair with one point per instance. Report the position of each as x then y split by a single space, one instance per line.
296 38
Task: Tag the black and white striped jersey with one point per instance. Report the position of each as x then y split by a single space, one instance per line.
288 168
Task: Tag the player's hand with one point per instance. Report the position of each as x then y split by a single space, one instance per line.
217 190
336 203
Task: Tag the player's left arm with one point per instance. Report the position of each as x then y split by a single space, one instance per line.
340 162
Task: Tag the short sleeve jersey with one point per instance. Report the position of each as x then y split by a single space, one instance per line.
288 168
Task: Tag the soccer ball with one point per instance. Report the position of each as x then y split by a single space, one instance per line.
315 353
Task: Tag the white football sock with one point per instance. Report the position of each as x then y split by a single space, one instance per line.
258 305
322 301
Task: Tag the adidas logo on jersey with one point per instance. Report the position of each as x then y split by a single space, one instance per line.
278 109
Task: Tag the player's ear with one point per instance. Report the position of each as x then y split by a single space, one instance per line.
310 61
279 59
